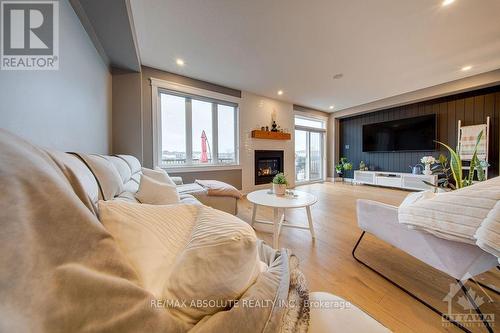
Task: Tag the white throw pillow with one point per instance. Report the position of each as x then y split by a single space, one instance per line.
159 175
220 262
150 236
417 196
156 193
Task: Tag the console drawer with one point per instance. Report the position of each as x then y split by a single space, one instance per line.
388 181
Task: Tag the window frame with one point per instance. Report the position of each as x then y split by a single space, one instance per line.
160 86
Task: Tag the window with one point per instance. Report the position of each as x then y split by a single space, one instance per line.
194 130
309 122
309 149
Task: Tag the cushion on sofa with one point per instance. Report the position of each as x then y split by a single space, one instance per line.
109 179
151 236
156 193
220 262
159 175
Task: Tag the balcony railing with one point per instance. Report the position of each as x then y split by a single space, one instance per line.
182 161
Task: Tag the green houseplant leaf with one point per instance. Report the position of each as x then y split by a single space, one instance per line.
474 161
455 166
280 179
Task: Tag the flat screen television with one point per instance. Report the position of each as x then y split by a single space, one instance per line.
409 134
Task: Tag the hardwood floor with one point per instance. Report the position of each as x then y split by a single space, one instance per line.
329 266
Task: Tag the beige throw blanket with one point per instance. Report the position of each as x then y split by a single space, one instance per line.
488 234
466 215
61 271
219 189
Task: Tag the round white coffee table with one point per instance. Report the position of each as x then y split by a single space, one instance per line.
267 198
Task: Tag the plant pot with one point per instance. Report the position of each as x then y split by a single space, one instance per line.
279 189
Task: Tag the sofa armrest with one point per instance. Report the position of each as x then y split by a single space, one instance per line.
177 180
369 212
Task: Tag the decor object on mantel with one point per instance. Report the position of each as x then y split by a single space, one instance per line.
279 184
428 161
344 165
276 132
258 134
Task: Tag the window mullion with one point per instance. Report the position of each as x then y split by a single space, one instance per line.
189 132
215 134
308 156
236 136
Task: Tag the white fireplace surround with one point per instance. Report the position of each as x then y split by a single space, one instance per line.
255 111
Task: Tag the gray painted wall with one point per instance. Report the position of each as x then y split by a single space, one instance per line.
127 115
68 109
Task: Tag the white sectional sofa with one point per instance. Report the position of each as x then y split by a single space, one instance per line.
129 168
64 271
325 318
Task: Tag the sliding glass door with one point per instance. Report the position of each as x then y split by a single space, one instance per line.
301 156
309 150
315 156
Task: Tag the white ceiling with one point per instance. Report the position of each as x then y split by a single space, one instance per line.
384 47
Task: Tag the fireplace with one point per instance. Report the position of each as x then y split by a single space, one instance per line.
268 163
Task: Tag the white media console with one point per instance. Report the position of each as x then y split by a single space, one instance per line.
407 181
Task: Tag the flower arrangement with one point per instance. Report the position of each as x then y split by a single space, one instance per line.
428 160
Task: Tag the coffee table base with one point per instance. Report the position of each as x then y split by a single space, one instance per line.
279 222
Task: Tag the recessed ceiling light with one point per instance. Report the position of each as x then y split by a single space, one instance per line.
331 107
280 92
179 62
338 76
447 2
466 68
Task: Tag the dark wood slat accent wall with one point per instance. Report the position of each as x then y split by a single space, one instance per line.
471 107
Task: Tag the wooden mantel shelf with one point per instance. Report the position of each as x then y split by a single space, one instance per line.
258 134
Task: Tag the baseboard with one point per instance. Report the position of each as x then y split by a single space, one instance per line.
340 180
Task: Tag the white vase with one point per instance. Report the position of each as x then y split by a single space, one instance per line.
427 170
279 189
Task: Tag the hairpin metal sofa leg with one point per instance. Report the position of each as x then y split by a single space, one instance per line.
405 290
486 287
474 305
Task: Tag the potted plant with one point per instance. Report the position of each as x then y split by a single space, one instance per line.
451 172
343 165
279 184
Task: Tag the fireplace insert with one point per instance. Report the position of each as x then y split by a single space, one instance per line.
268 163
